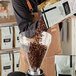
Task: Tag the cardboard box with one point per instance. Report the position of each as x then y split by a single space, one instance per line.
16 60
6 64
6 37
16 36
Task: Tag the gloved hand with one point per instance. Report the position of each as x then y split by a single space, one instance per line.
30 32
35 27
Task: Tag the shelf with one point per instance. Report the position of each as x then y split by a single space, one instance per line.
8 50
4 1
15 49
7 21
7 24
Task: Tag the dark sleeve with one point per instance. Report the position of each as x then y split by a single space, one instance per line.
23 16
40 1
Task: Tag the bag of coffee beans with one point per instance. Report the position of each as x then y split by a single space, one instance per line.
16 60
65 65
6 63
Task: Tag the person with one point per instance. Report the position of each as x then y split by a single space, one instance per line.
23 13
24 17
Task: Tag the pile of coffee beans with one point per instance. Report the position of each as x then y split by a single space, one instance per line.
36 54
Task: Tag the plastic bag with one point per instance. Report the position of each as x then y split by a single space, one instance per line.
65 65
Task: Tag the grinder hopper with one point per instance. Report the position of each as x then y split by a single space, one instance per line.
35 52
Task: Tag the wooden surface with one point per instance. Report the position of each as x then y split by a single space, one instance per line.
7 24
8 50
7 21
5 1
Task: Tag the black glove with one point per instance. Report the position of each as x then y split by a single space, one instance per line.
38 25
30 32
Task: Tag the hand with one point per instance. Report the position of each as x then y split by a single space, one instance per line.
30 32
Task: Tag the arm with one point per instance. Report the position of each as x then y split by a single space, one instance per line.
23 18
